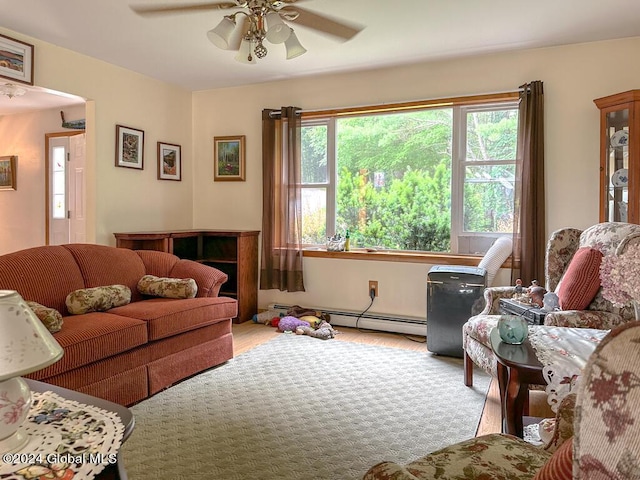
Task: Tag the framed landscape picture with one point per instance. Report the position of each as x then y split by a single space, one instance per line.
129 147
8 172
169 162
16 60
228 158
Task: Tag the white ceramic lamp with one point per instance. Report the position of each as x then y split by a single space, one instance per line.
25 346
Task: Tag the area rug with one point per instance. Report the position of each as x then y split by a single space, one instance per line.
301 408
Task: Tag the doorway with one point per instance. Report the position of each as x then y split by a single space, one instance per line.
65 182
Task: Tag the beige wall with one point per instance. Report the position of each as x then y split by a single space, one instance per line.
573 76
22 212
123 199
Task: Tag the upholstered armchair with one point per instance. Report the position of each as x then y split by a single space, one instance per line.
608 237
596 431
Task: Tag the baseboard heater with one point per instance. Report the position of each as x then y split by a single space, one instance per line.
371 321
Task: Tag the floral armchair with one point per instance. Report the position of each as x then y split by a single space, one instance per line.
596 432
608 237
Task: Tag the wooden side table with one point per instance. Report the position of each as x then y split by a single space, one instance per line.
518 367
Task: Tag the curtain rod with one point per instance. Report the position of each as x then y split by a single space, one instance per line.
415 104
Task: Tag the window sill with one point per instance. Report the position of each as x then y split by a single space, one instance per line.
398 256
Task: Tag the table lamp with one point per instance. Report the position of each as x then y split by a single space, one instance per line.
25 346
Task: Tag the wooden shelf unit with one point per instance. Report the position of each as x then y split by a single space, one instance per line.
235 252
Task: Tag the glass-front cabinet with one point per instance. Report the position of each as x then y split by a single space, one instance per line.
619 157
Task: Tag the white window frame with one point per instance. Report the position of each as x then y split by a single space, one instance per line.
458 163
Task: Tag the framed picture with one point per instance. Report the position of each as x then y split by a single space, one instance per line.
8 172
129 147
228 158
169 162
16 60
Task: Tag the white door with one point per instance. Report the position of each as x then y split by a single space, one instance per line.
66 202
77 197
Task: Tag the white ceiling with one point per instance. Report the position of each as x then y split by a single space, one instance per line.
174 47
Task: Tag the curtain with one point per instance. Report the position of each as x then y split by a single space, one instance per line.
281 266
530 239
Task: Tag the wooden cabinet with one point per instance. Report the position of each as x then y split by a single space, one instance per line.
235 252
620 157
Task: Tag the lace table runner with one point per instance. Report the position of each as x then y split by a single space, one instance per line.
563 352
67 439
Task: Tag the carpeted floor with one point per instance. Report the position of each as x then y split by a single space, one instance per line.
300 408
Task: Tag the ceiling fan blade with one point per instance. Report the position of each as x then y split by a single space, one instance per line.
325 24
176 8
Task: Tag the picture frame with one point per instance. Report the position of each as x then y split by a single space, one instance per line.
16 60
169 161
229 158
8 176
129 147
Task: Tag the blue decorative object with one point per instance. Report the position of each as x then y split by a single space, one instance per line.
513 329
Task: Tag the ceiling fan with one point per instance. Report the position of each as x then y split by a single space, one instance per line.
263 19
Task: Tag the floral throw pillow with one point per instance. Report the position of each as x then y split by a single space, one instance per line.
50 317
167 287
97 299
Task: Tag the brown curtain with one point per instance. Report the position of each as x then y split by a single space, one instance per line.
529 229
281 201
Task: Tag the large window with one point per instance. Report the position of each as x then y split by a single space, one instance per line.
435 178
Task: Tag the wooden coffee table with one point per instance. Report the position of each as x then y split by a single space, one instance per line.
518 367
113 471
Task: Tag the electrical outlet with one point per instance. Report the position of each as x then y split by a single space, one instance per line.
373 286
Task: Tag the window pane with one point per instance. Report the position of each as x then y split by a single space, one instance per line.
394 179
314 216
488 198
492 135
58 207
314 154
58 183
58 159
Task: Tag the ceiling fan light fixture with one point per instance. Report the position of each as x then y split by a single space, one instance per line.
277 30
220 36
293 46
245 54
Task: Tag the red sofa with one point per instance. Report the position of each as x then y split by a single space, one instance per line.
131 352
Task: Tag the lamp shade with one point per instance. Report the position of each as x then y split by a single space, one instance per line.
25 346
277 30
25 343
293 46
221 34
245 54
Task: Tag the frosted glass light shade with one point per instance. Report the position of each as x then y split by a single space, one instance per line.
277 30
221 34
293 46
245 54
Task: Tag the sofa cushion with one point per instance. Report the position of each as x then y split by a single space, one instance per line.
102 265
169 316
581 281
97 299
91 337
50 317
27 270
167 287
560 465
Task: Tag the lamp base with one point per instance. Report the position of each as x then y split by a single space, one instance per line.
15 397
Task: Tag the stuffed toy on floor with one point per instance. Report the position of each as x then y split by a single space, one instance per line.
324 331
